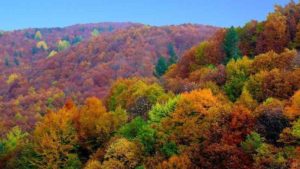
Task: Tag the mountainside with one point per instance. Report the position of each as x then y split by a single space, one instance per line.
88 68
172 97
23 47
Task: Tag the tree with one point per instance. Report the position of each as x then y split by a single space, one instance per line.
297 38
160 111
95 125
161 66
270 120
7 62
176 162
140 131
121 153
42 45
127 93
52 53
292 111
271 60
247 100
38 36
95 32
248 38
231 45
16 61
194 113
11 144
291 135
173 56
252 142
237 72
55 139
12 78
62 45
274 35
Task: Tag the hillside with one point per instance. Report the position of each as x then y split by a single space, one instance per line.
171 97
88 68
20 48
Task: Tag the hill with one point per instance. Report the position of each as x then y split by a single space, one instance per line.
40 83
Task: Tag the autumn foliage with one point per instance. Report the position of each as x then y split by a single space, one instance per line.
232 101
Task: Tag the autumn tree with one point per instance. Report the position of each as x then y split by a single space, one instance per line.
237 72
10 145
62 45
274 35
297 38
95 125
122 154
126 93
270 120
55 140
42 45
292 111
248 38
38 35
271 60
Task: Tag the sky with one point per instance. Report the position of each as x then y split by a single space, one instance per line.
19 14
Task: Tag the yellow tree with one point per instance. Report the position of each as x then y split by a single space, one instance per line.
122 153
292 111
55 139
95 125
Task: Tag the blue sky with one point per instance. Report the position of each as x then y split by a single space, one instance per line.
18 14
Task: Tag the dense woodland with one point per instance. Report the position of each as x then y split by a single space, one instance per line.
143 97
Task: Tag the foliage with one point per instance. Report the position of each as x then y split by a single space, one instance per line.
122 153
231 44
38 35
52 53
293 110
237 74
161 67
62 45
160 111
95 125
139 130
42 45
252 142
126 93
55 139
12 78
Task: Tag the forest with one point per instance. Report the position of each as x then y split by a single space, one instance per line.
134 96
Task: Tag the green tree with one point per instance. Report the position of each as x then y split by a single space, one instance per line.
16 61
95 32
173 57
6 61
139 130
231 43
161 67
160 111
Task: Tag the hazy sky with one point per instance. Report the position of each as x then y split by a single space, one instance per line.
16 14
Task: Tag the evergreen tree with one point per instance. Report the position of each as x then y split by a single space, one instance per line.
17 63
231 43
173 57
6 61
161 66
